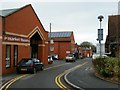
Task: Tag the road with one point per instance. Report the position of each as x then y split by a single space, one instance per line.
85 78
82 75
45 78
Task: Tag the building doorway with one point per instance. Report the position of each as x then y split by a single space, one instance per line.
34 41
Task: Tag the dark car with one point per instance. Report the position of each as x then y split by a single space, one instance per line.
54 57
31 65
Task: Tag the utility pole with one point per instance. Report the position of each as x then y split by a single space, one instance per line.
50 39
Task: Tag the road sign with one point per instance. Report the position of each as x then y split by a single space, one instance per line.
100 34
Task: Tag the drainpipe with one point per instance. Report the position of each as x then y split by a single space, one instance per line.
3 26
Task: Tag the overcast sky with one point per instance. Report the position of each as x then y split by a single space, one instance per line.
79 16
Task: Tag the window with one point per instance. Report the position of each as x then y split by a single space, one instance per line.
51 48
8 55
15 55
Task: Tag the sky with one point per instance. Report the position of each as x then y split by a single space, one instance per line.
79 16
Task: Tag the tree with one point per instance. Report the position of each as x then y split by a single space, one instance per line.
87 44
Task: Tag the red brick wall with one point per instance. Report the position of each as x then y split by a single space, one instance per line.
72 43
23 52
24 22
61 45
0 45
60 49
64 46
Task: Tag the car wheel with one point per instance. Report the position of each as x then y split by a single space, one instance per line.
18 72
34 71
42 68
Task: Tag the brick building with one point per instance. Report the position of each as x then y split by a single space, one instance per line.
62 43
112 44
87 52
22 36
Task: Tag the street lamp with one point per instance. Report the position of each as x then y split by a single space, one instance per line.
100 19
100 33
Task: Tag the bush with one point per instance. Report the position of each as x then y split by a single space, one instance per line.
107 66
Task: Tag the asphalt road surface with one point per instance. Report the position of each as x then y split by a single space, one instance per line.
82 77
85 78
45 78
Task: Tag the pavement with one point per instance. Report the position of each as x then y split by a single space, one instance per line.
7 77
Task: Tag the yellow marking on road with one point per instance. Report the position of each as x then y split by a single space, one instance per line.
59 83
10 82
7 85
58 78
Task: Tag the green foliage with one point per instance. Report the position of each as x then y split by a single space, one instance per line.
107 67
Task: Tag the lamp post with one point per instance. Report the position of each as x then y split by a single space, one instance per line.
100 33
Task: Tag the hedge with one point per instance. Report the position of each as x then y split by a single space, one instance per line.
107 66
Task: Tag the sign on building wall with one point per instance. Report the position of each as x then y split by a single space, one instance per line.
67 52
16 39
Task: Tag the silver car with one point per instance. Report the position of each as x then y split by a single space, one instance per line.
69 58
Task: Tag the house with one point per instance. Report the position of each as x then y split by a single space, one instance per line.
87 52
112 44
22 36
61 43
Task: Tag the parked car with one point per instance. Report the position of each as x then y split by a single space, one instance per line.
54 57
94 56
50 60
31 65
70 57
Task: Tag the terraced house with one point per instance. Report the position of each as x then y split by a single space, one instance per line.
22 36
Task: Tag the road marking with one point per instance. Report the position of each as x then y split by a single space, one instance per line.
58 81
55 66
89 68
86 68
7 85
10 82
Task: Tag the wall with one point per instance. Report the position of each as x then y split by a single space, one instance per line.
23 22
63 47
0 46
23 52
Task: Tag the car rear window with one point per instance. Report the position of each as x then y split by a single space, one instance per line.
70 55
26 61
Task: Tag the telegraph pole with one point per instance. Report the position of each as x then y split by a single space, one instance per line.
50 39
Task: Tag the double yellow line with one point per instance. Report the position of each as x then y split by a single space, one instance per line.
58 78
59 83
10 82
7 85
